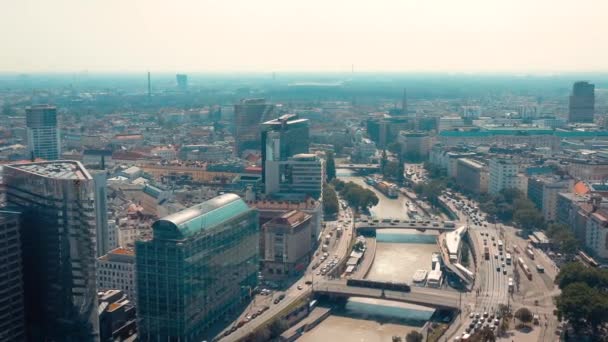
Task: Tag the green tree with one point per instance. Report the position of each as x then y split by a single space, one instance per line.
414 336
524 315
583 306
563 237
330 201
330 167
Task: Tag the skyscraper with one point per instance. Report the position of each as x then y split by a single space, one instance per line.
42 132
284 137
57 201
182 81
12 326
200 265
582 102
248 114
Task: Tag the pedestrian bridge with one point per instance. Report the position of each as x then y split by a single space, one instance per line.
440 299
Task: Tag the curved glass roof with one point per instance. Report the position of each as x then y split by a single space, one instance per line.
202 216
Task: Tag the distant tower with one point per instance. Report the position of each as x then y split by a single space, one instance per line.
582 102
42 132
182 82
149 86
404 102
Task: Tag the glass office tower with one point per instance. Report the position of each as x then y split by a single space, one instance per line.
57 202
200 265
43 132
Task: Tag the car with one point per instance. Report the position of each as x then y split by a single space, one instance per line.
504 271
318 273
498 269
496 256
299 287
254 315
471 315
485 314
503 265
308 282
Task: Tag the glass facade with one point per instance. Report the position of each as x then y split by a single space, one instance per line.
283 138
200 265
42 132
58 248
11 302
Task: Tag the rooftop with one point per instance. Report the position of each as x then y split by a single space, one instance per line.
59 169
195 219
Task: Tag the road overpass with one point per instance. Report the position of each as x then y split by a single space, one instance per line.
369 167
440 299
380 223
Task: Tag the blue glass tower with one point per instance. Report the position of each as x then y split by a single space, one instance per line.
200 265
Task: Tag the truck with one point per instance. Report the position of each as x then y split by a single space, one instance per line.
511 288
486 252
449 224
509 259
500 245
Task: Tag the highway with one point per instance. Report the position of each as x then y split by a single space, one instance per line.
491 288
389 223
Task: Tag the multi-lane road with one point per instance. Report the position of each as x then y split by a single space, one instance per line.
301 289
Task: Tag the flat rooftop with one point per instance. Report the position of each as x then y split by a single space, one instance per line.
60 169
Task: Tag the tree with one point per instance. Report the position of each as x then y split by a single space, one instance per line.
414 336
330 167
583 306
330 201
524 315
563 237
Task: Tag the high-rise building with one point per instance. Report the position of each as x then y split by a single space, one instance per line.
248 115
200 265
101 211
12 327
503 175
58 228
284 137
582 102
472 175
43 140
182 81
302 174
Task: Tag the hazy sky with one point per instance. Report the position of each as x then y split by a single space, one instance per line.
291 35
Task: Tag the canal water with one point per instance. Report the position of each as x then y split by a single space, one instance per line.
369 320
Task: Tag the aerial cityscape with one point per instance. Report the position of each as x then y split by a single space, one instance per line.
154 197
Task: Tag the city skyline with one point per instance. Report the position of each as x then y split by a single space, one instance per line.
406 36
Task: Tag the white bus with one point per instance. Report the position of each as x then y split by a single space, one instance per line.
465 271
